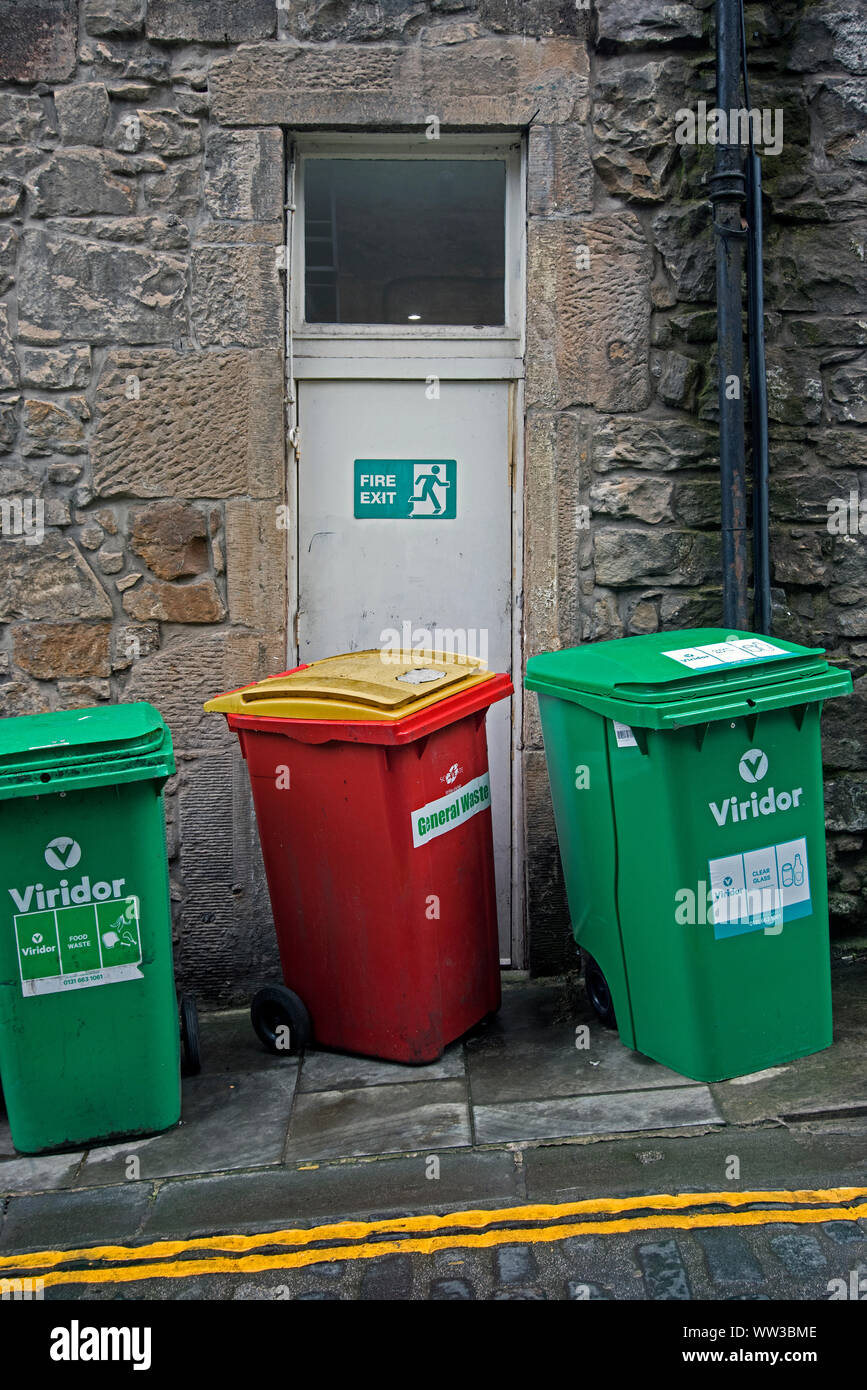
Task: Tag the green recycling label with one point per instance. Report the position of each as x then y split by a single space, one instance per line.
406 489
78 947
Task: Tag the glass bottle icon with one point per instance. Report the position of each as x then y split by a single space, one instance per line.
798 870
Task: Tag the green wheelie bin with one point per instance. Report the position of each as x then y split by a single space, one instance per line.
686 778
89 1046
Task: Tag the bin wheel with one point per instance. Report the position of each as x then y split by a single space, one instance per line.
281 1020
191 1063
598 992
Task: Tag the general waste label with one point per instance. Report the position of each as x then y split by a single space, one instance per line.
733 653
406 489
451 810
760 889
78 947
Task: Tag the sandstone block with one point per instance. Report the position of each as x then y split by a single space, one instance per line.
206 424
48 650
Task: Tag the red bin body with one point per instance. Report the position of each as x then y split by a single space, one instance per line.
385 909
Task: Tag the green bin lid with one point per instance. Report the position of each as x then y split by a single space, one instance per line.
44 753
668 669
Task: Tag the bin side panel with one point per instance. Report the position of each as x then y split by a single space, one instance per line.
578 768
723 893
391 945
89 1044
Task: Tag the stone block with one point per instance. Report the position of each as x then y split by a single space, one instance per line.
8 359
237 296
206 424
559 171
643 23
169 133
55 369
244 175
626 557
191 669
82 694
323 22
50 428
39 40
114 16
255 564
589 334
71 288
211 21
22 119
485 82
644 499
172 539
49 578
659 444
684 238
8 256
82 113
634 152
160 601
49 650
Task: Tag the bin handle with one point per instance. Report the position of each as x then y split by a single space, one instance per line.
717 707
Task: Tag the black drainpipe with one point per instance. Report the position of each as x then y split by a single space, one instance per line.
727 192
758 376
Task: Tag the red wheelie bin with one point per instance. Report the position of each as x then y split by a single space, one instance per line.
370 780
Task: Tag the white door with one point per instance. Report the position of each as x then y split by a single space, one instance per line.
405 525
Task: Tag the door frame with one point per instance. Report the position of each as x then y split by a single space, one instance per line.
386 352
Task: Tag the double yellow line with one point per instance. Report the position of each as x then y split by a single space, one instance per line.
422 1235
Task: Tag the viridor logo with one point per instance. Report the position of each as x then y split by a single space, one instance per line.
64 853
753 767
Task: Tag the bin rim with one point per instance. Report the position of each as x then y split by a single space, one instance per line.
422 721
356 687
65 750
646 669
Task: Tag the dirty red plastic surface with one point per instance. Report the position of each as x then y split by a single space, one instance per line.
391 946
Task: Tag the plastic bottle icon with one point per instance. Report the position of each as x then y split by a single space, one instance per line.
787 874
798 870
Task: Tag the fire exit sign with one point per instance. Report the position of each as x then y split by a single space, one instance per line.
406 489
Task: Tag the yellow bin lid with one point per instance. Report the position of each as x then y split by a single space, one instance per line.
357 686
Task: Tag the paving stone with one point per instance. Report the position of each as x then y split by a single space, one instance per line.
585 1292
514 1264
729 1258
379 1119
571 1116
452 1290
334 1071
523 1295
664 1272
799 1251
389 1277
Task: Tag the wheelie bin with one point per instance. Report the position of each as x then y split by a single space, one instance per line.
686 779
88 1014
370 780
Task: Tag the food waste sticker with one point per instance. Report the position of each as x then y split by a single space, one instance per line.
78 947
453 809
760 889
624 735
732 653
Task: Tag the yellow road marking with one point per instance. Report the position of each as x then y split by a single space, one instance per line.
357 1230
255 1263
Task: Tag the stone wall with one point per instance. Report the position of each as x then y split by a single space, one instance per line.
142 399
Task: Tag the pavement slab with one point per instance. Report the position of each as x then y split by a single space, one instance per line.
621 1111
379 1119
